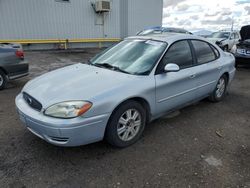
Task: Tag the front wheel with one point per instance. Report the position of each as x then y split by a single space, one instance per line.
3 80
126 124
220 90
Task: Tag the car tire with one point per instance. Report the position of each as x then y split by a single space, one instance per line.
3 80
220 89
126 124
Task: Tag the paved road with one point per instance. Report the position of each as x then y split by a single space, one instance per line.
204 145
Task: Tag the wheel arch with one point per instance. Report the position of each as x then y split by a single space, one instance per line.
140 100
227 75
4 71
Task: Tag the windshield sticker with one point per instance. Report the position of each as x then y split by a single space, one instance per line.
154 43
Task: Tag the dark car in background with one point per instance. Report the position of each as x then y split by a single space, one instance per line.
242 50
162 30
12 64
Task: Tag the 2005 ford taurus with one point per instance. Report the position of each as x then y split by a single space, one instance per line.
123 88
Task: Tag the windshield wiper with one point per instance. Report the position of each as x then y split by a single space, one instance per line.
109 66
89 62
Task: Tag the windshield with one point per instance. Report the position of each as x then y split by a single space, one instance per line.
220 35
131 56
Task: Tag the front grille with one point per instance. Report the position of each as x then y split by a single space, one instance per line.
32 102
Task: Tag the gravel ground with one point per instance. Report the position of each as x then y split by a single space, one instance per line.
203 145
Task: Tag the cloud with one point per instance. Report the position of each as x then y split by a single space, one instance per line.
242 1
173 3
194 17
211 15
166 14
226 12
182 7
247 8
218 21
183 22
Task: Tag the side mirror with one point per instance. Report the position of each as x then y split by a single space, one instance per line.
171 67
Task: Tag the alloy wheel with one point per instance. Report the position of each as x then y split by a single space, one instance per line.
129 124
221 87
1 80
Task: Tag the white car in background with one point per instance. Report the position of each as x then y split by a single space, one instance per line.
225 39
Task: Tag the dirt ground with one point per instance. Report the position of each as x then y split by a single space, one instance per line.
203 145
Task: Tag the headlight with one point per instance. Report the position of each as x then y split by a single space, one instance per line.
69 109
241 51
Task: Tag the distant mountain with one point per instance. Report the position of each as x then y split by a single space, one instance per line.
202 32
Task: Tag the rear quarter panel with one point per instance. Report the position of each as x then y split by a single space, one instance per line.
227 61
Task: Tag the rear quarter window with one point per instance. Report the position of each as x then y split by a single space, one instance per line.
216 52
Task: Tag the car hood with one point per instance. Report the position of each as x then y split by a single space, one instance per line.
75 82
214 40
245 32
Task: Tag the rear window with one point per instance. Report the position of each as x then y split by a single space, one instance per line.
203 51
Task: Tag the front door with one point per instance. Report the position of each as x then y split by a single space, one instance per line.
174 89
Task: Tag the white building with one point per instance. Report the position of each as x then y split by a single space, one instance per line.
77 23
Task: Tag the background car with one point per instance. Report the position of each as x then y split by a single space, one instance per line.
242 50
120 90
12 64
225 39
162 30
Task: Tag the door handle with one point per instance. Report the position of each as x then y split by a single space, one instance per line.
192 76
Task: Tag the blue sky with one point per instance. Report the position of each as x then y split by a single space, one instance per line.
206 14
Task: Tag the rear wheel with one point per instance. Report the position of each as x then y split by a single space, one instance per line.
3 80
126 124
220 90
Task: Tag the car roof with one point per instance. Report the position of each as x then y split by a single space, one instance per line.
165 28
168 37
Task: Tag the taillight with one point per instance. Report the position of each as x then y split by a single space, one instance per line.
20 54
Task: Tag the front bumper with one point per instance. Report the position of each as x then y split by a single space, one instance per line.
242 55
242 58
62 132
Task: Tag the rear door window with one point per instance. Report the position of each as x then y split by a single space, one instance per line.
203 51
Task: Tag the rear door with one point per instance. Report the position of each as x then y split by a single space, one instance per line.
174 89
207 67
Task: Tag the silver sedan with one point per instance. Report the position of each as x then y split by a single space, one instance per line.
123 88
